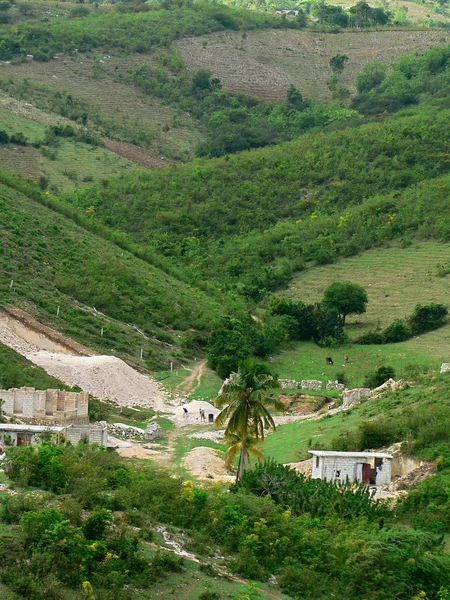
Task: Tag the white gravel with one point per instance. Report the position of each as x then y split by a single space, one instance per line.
104 377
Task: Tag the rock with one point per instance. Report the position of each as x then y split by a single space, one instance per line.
153 432
352 397
389 386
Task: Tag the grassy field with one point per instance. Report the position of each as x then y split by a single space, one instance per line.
267 62
68 166
396 279
290 443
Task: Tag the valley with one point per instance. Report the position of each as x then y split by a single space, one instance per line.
230 229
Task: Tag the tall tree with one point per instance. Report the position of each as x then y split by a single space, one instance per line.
346 297
246 396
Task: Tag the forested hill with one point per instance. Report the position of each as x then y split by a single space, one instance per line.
225 217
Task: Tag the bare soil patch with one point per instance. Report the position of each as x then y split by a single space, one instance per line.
204 463
137 155
267 62
102 376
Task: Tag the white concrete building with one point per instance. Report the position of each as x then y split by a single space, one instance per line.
371 468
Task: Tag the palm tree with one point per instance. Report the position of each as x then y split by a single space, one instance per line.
246 395
235 443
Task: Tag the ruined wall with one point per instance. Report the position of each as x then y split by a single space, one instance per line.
89 433
311 384
54 406
351 397
335 385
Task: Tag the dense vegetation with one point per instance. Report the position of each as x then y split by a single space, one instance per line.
234 122
100 511
133 32
249 221
409 80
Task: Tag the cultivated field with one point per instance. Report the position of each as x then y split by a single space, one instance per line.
396 279
267 62
123 110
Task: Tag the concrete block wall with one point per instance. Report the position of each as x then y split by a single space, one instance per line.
90 433
55 405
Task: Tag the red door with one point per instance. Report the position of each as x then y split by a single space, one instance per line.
366 473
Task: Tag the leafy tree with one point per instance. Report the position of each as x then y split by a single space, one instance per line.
346 297
427 318
246 396
398 331
372 75
229 344
329 326
337 63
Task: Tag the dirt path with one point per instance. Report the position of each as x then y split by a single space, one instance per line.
192 381
176 548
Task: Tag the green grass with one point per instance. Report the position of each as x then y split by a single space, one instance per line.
14 123
396 279
54 262
290 443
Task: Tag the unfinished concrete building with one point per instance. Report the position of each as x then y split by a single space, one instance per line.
13 434
370 468
52 406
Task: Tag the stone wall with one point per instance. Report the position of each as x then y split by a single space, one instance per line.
289 384
311 384
53 406
335 385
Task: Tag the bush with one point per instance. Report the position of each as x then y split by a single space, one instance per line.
372 337
379 376
398 331
427 318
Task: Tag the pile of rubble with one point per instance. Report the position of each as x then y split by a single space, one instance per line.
129 432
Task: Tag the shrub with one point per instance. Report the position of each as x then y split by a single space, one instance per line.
426 318
378 377
398 331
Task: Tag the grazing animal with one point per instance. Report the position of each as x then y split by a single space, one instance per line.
329 360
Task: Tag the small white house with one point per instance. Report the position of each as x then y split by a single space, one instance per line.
371 468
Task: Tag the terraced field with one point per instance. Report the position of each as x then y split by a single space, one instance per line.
396 280
265 63
120 106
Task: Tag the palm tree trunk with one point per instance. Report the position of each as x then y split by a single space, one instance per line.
240 471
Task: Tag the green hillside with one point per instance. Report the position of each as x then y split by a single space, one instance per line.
54 262
230 219
17 371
